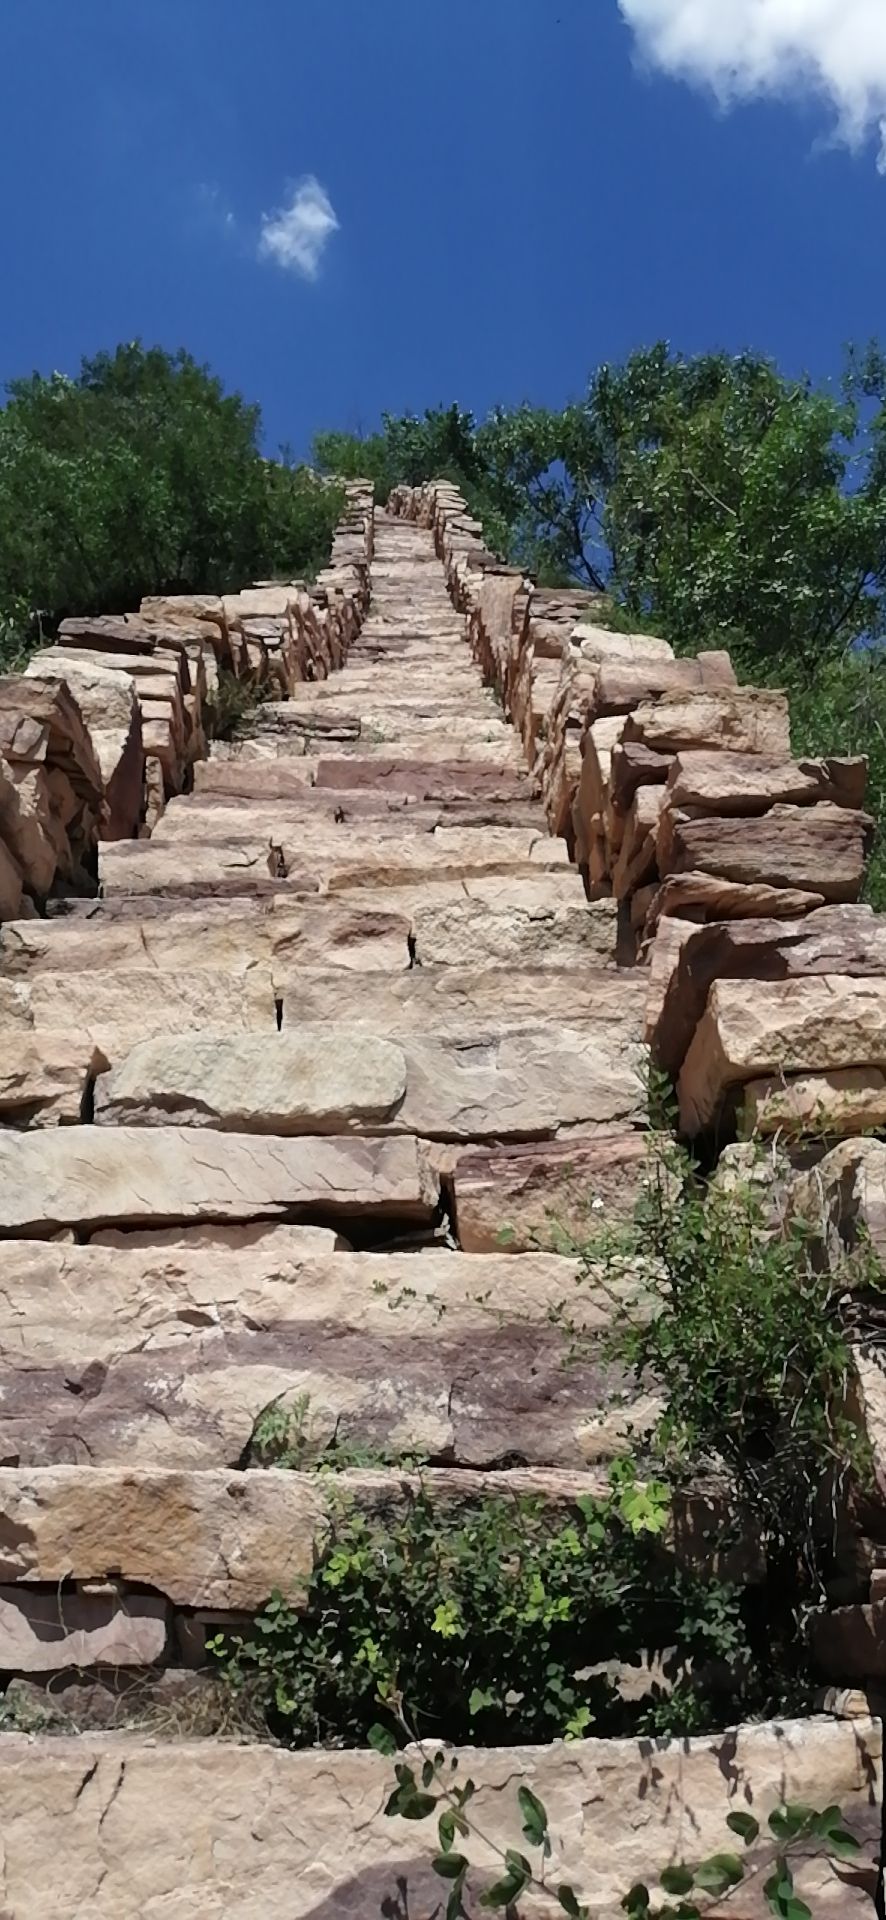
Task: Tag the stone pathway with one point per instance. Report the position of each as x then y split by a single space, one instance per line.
344 1017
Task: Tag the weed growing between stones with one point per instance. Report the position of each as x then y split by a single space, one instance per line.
498 1620
794 1829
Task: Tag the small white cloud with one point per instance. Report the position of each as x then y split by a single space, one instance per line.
297 235
745 49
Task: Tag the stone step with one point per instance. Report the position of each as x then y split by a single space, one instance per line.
150 866
465 1001
83 1178
176 937
334 1079
161 1358
328 820
111 1011
426 781
215 1538
206 1830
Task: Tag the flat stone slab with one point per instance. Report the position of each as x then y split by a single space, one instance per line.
95 1825
44 1078
178 937
103 1176
152 1355
216 1539
356 860
110 1012
44 1632
460 1001
524 1084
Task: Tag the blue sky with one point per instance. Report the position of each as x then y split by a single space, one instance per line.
500 194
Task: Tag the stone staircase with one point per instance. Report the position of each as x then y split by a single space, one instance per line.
344 1016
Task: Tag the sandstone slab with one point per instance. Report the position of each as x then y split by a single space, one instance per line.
745 720
819 849
815 1024
832 940
555 1195
45 1632
44 1078
111 1012
151 1356
103 1176
483 1085
123 1850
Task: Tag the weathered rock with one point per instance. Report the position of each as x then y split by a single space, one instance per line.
284 1241
316 1081
727 783
821 849
111 1012
103 1176
467 1002
526 1084
746 720
45 1632
467 932
827 1104
215 1539
555 1195
844 1196
360 861
623 685
179 937
151 1356
10 884
815 1024
702 897
124 1849
834 940
44 1077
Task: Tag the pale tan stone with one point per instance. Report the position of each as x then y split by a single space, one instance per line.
114 1011
815 1024
743 720
315 1081
843 1101
104 1176
42 1633
619 1811
361 860
44 1077
468 1002
282 932
176 1356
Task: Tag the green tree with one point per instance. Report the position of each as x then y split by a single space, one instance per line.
142 476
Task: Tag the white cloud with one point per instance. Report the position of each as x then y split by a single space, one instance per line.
297 235
744 49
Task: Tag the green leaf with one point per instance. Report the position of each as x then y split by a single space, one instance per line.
745 1826
569 1903
535 1819
790 1822
722 1870
676 1880
449 1866
636 1902
381 1738
479 1699
416 1806
504 1891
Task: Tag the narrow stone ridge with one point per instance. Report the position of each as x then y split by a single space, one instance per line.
342 1011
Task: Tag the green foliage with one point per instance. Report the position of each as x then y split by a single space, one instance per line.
142 476
793 1827
484 1617
746 1344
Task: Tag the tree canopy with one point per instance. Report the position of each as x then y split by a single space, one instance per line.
715 501
142 475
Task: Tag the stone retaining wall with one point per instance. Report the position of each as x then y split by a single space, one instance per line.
108 722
